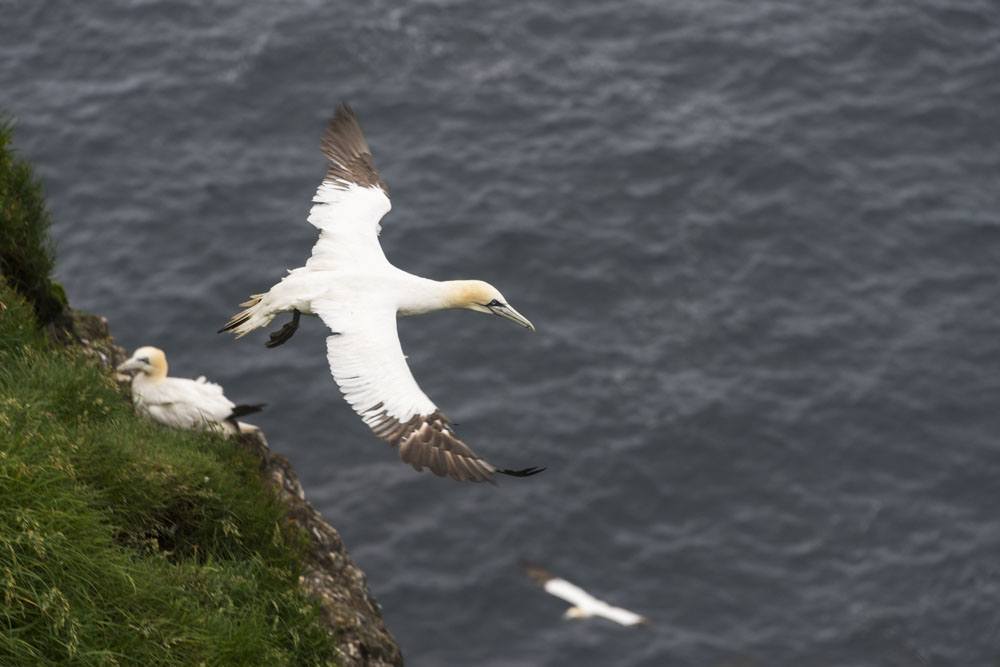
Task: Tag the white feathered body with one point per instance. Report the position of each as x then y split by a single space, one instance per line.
349 289
182 403
349 283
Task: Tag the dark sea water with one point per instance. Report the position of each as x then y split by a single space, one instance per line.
760 241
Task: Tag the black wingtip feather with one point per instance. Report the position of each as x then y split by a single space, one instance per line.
523 472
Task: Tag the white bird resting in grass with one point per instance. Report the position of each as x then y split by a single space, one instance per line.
584 605
196 405
352 287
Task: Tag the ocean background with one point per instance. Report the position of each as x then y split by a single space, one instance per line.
760 242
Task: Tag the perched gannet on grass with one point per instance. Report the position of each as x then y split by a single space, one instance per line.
177 402
352 287
584 604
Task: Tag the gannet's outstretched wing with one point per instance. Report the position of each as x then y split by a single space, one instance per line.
367 363
350 201
560 588
584 604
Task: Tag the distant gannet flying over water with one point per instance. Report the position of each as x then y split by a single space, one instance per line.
584 604
352 287
177 402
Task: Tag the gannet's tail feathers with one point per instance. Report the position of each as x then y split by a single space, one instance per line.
245 321
242 411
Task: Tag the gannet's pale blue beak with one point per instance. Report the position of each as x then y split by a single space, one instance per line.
130 365
507 311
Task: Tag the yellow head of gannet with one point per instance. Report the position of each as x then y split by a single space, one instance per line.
483 298
150 361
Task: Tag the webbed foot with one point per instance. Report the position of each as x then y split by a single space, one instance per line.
282 335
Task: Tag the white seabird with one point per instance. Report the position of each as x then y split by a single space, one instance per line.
584 604
196 405
352 287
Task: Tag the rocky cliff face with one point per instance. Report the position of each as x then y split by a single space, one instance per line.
330 576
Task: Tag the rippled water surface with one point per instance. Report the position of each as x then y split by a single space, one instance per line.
759 240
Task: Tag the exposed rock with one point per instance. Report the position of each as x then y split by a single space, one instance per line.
330 576
91 333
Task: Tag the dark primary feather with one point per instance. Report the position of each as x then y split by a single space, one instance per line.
538 573
350 158
522 472
428 441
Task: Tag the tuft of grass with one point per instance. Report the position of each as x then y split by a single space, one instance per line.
125 543
26 253
18 327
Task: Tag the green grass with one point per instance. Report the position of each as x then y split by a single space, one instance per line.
123 542
26 254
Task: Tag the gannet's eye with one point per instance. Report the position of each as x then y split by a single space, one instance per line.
143 360
495 303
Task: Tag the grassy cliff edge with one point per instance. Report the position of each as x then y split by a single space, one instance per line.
123 542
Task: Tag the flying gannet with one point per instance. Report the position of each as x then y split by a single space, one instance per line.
352 287
178 402
584 604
